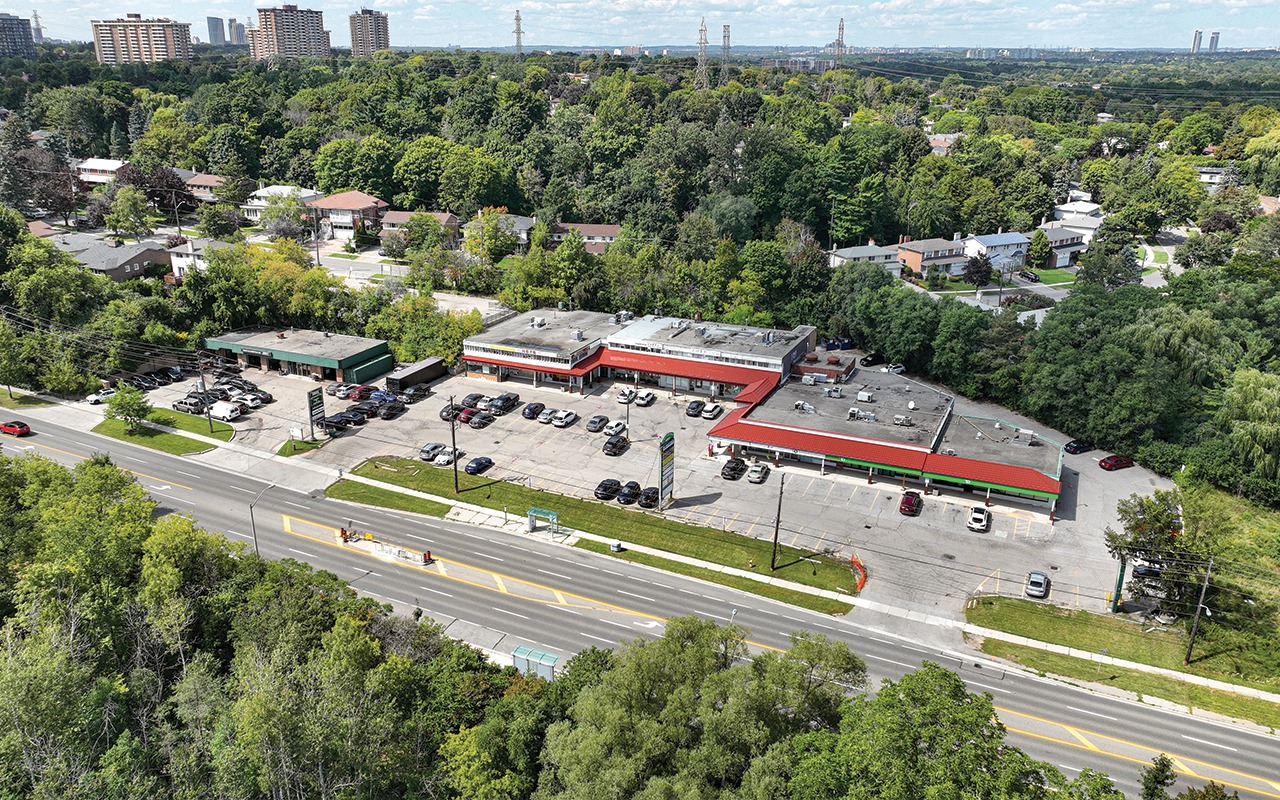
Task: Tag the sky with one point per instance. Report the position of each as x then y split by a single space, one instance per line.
796 23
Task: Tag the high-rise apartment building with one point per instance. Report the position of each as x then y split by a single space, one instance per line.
15 37
235 32
1213 42
288 31
1195 42
134 39
369 33
217 37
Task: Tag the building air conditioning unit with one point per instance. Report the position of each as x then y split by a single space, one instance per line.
902 420
577 334
834 391
807 380
865 397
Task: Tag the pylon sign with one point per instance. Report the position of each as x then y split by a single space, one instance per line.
667 469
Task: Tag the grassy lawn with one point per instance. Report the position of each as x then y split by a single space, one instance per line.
802 599
347 256
1121 638
378 276
649 530
20 400
1142 683
1057 277
392 261
1160 256
191 424
172 443
295 446
385 498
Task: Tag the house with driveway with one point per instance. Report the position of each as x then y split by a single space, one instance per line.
871 253
346 211
927 254
253 207
1067 244
1007 251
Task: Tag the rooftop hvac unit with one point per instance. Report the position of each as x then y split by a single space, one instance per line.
833 391
539 322
902 420
998 425
804 407
577 334
864 397
1025 432
807 380
627 316
613 319
911 405
949 452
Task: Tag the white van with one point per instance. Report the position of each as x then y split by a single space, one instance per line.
224 411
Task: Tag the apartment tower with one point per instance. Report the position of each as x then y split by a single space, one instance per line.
217 37
289 32
1195 42
1213 42
133 39
369 33
235 32
15 37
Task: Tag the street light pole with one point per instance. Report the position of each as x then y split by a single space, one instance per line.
1199 607
253 526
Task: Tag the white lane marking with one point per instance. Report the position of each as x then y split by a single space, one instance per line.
664 586
472 536
297 505
686 591
512 613
793 619
820 625
566 608
302 552
1065 766
888 660
421 538
565 560
238 533
242 489
611 572
188 474
556 574
486 555
434 591
616 624
1211 744
917 649
360 521
522 549
373 594
882 641
131 458
598 639
766 611
992 688
1091 713
638 596
374 574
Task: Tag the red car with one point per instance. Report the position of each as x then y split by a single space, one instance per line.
1115 462
911 503
359 393
15 428
466 414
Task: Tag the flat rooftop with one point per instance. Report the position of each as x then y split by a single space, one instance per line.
813 407
989 439
679 333
335 346
555 334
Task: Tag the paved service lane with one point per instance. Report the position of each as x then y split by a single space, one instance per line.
497 591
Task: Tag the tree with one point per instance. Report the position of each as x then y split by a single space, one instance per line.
13 367
977 270
1039 250
393 244
493 239
129 405
286 217
15 184
1250 412
218 220
130 214
1204 250
1158 777
422 232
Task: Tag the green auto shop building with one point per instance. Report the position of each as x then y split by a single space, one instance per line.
316 354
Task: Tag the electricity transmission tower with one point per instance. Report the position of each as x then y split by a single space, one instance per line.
519 32
700 74
724 58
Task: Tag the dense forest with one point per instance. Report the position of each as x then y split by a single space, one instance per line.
145 658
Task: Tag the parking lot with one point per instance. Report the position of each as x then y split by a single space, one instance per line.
931 562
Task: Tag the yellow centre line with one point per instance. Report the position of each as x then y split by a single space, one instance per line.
126 469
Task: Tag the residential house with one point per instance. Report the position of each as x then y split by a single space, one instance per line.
117 261
252 208
1067 245
192 256
345 211
519 226
395 220
1103 117
595 237
1269 205
99 171
865 254
1085 226
1077 209
926 254
1007 251
202 184
941 143
1211 177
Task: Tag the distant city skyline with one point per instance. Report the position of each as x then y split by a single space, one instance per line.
1125 24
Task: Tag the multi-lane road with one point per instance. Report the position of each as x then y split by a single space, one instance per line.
498 591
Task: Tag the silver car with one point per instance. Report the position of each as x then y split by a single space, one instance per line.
1037 584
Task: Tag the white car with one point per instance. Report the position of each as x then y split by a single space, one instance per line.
758 473
547 415
564 419
712 410
430 450
894 369
446 457
646 398
100 396
250 400
626 395
614 428
979 519
484 404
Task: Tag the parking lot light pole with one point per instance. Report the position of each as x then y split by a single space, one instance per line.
253 526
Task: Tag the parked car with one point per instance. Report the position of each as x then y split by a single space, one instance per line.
391 410
262 394
483 403
1112 463
472 399
758 473
219 393
979 519
222 410
911 503
428 452
894 369
533 410
175 374
333 424
382 396
160 377
482 419
414 393
100 396
145 382
333 388
368 409
733 469
250 400
630 493
504 403
189 405
649 497
646 398
712 410
360 393
446 457
615 445
694 409
450 412
352 417
608 489
478 465
547 415
565 418
1028 275
1037 584
615 428
1142 569
344 391
626 395
15 428
597 423
1078 446
465 415
871 360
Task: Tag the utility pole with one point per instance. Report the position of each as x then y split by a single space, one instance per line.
519 32
700 74
1204 587
253 526
840 45
777 524
204 387
453 440
724 58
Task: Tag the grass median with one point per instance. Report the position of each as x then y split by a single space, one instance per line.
385 498
192 424
634 527
20 401
172 443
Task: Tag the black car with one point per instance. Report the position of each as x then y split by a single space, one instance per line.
733 469
1028 275
629 494
413 394
871 360
219 393
504 403
472 400
392 409
351 417
532 410
482 420
1148 571
160 377
608 489
694 409
261 394
1078 446
336 422
616 445
649 497
368 409
174 373
449 412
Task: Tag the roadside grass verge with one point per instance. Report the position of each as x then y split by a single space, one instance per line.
1124 639
790 596
293 447
1141 683
191 424
172 443
358 492
1056 277
20 400
347 256
649 530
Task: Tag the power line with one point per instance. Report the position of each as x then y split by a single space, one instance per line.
700 72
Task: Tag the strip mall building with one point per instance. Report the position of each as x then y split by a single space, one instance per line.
794 400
